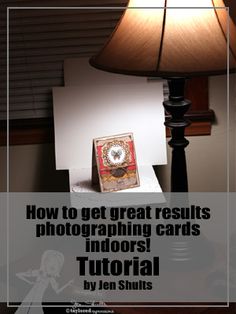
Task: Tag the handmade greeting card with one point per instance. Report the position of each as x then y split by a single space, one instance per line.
114 163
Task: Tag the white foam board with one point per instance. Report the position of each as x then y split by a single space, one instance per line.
86 112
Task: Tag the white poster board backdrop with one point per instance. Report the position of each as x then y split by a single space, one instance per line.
102 104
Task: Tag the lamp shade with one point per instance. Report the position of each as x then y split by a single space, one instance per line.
170 38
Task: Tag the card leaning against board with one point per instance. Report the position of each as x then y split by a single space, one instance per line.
114 163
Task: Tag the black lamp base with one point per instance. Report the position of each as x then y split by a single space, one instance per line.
177 106
181 253
186 254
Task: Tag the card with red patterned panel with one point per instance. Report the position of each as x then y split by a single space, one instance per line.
115 163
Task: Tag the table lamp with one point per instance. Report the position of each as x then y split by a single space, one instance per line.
174 40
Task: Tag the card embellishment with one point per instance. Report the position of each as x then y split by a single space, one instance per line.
114 163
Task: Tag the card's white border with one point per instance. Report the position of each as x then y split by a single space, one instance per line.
228 143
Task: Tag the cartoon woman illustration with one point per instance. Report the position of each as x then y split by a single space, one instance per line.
51 265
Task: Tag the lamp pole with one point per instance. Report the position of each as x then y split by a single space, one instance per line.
177 106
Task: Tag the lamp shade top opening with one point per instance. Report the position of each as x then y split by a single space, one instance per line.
163 40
